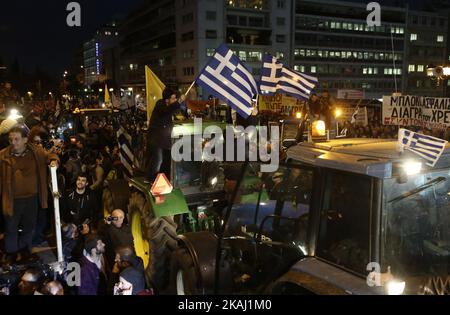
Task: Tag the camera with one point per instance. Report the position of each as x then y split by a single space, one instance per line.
112 219
80 227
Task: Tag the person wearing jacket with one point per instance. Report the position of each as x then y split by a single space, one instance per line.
78 213
160 133
92 275
23 187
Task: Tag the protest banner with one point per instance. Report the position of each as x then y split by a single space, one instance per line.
419 111
280 103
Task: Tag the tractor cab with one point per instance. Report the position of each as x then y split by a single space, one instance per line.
347 216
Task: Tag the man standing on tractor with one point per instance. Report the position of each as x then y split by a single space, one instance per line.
160 132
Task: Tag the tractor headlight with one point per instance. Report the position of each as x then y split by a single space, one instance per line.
412 168
395 287
318 128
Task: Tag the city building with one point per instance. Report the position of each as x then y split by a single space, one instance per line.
100 55
181 36
427 37
148 38
326 38
334 42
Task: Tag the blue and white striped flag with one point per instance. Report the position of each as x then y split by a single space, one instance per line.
276 78
126 153
226 77
427 147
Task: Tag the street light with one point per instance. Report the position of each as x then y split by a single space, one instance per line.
438 73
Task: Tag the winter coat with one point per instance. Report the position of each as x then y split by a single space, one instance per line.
42 159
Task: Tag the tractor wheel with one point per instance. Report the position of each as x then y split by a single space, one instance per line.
154 240
184 279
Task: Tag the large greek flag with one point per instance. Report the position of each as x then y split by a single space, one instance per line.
276 78
226 78
427 147
126 153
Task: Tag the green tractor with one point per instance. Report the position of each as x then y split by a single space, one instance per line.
347 216
190 207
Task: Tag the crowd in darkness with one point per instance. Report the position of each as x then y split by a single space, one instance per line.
87 159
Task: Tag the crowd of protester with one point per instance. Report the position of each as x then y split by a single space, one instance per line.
100 242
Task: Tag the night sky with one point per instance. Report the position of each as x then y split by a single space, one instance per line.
35 31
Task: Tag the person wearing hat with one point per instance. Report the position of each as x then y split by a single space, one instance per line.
131 282
23 187
5 127
160 133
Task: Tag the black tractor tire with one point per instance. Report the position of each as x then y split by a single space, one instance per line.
184 279
162 238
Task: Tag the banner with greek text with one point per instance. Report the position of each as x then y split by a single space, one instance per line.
419 111
280 103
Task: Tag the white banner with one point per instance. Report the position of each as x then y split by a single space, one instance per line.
350 94
425 112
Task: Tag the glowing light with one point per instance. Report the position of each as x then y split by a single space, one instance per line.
412 168
395 287
14 114
318 128
298 115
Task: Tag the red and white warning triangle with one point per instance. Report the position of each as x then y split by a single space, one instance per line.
161 186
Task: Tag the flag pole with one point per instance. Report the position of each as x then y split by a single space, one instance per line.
189 89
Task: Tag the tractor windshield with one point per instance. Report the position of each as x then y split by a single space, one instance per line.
273 207
416 233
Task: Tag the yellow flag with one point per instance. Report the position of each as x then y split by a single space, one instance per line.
154 88
107 97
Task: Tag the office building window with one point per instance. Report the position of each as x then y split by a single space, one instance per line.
211 15
280 4
413 37
188 71
188 18
412 68
210 52
279 55
440 38
313 69
281 21
281 38
211 34
420 68
187 36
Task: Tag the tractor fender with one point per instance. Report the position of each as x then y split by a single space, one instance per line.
202 247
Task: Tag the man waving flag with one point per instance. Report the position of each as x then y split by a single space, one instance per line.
276 78
427 147
226 78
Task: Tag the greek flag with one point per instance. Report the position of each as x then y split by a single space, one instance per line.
355 114
225 77
276 78
126 153
427 147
